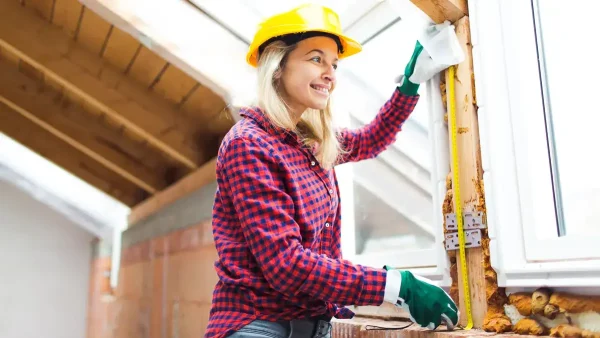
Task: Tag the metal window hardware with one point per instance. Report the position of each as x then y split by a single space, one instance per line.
471 220
472 239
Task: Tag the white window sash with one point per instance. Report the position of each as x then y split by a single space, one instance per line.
518 187
431 262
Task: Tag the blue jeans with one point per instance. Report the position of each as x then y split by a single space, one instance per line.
284 329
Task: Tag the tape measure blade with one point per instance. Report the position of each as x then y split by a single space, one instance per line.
457 198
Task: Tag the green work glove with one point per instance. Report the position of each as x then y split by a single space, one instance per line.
427 304
407 86
441 51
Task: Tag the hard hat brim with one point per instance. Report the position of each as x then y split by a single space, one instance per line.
350 46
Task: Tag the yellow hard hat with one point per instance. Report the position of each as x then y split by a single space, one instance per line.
308 18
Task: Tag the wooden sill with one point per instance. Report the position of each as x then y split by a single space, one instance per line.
366 327
369 320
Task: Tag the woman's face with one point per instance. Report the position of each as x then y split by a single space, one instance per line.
308 76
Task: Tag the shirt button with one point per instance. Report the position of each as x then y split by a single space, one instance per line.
312 163
327 224
331 191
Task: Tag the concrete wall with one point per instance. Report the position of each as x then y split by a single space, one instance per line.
45 265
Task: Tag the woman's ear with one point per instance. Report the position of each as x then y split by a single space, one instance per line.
277 74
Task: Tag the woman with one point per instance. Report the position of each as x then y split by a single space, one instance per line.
276 219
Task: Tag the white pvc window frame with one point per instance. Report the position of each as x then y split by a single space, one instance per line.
518 185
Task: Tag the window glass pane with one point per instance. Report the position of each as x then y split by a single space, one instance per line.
391 194
567 36
393 208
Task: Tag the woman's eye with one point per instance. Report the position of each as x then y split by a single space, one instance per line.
316 59
335 66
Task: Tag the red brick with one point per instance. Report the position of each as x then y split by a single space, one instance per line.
172 280
160 246
196 275
191 239
158 298
135 281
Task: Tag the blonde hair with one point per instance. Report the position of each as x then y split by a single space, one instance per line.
315 127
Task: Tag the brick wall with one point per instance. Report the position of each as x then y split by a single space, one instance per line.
164 290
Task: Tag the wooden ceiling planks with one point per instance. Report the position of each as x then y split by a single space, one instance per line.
93 32
146 67
174 85
203 104
127 54
118 116
45 107
48 54
67 15
43 8
58 151
121 49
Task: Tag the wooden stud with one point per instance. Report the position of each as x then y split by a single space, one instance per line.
42 106
471 173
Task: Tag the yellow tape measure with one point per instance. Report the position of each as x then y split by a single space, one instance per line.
456 193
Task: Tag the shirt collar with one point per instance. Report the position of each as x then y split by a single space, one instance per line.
258 115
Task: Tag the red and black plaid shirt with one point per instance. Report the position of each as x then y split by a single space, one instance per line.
276 224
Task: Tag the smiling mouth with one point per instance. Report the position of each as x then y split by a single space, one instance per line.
320 89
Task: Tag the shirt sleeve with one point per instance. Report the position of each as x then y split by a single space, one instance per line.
252 174
372 139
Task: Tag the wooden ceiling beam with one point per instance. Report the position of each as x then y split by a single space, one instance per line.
61 153
65 63
44 106
441 10
190 183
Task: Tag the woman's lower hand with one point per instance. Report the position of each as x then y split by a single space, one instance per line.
427 304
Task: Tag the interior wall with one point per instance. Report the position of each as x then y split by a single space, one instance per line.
45 264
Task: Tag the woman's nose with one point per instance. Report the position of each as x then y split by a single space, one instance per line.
329 74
